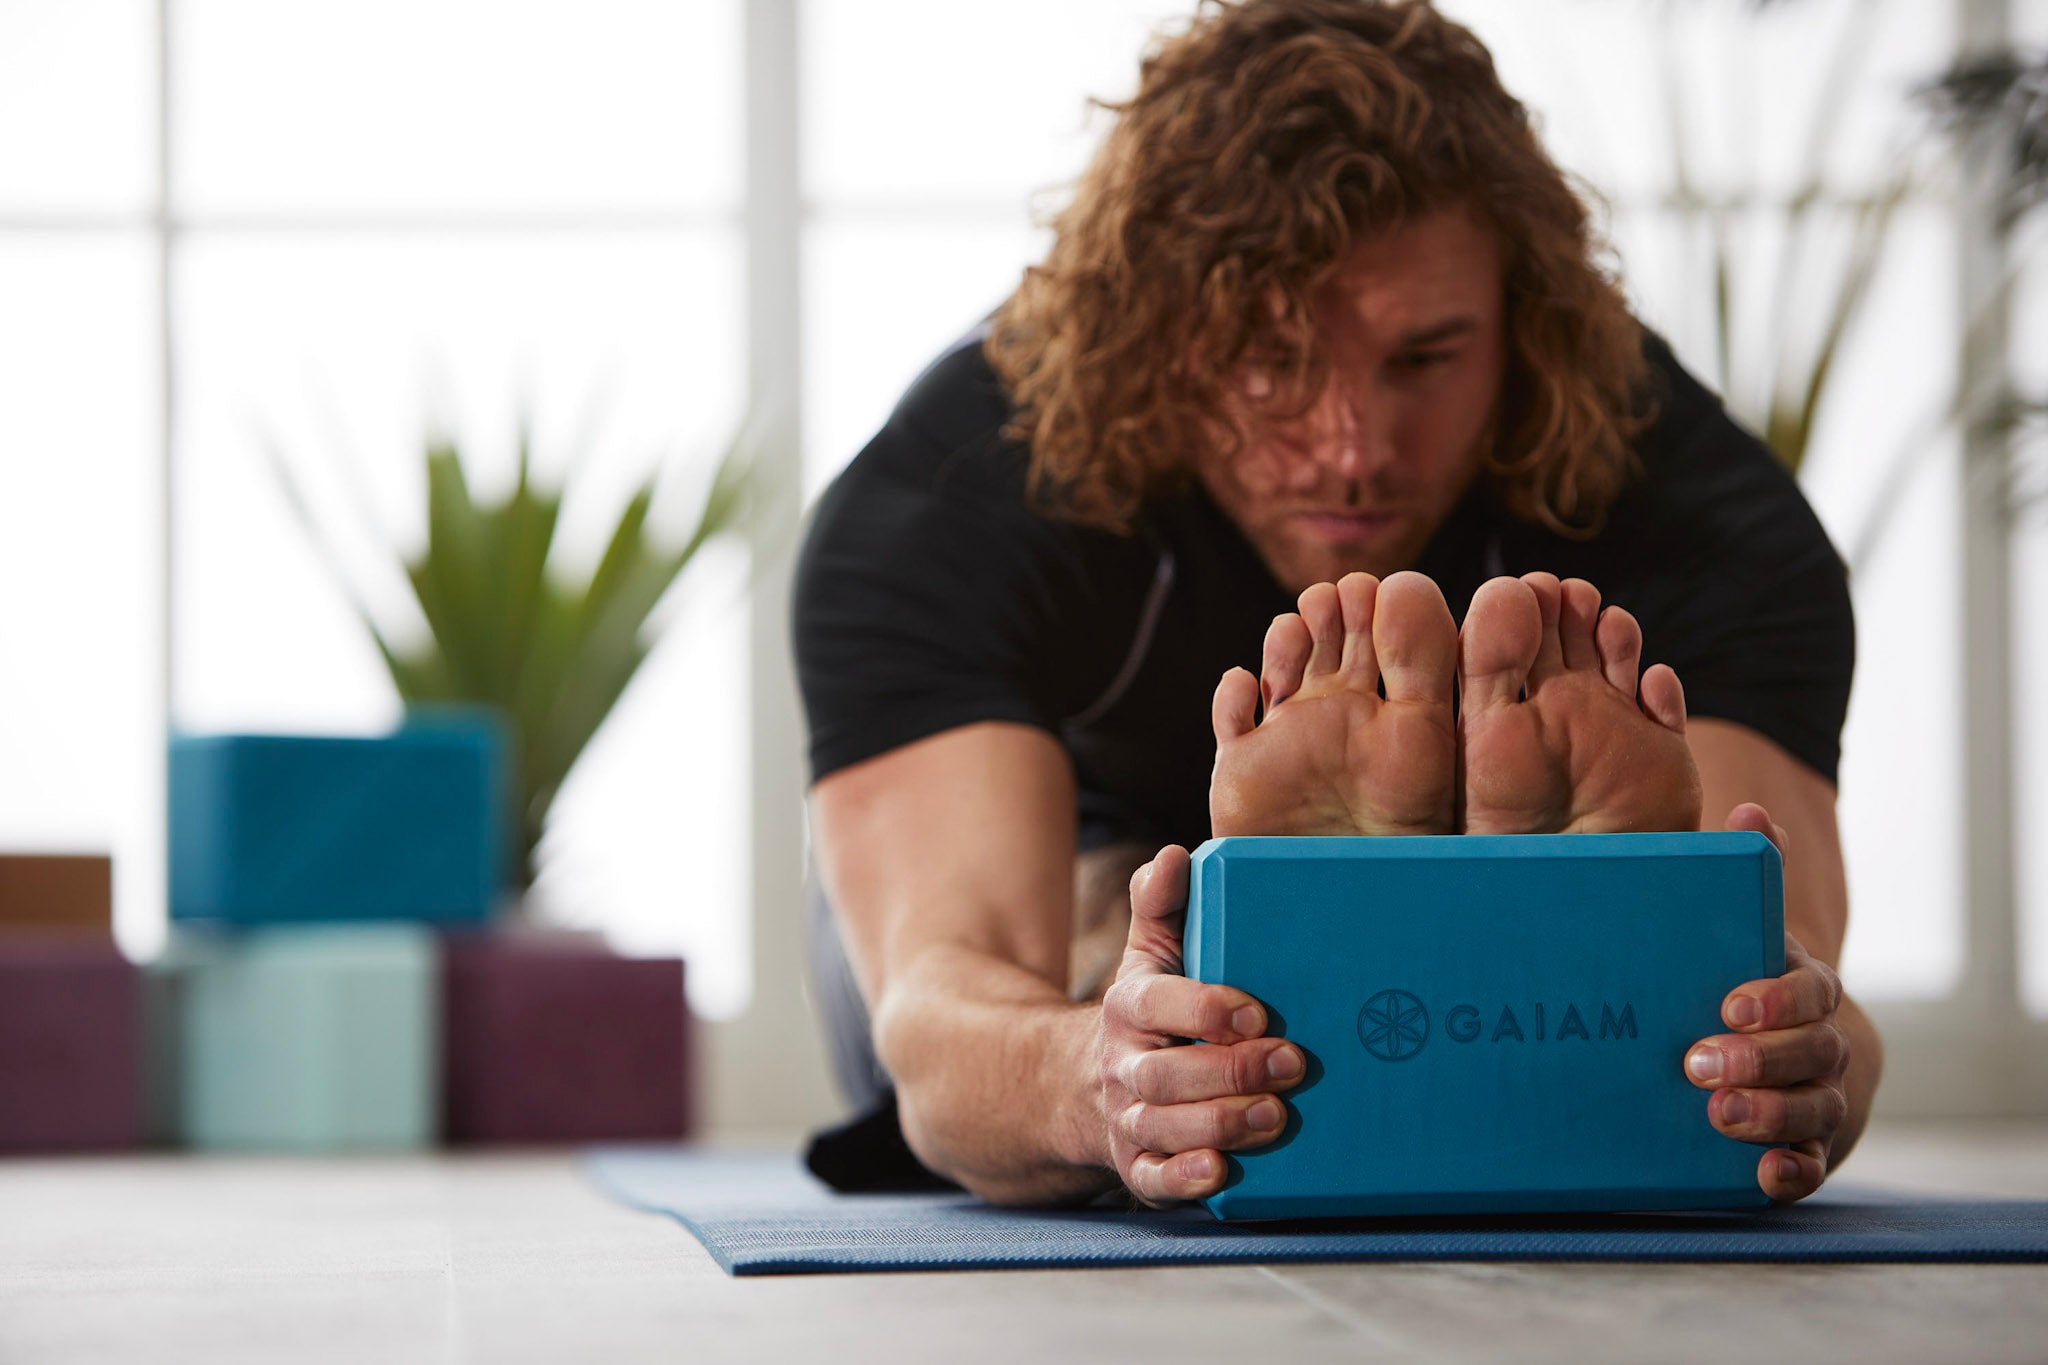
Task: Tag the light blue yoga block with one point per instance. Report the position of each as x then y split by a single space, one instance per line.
410 825
313 1038
1494 1024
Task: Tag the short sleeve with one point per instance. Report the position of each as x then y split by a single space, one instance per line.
924 597
1781 661
1753 611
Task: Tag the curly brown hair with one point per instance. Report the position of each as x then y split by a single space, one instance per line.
1262 144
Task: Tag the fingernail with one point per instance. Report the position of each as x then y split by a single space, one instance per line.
1735 1107
1704 1064
1247 1020
1745 1011
1284 1065
1263 1115
1788 1167
1200 1166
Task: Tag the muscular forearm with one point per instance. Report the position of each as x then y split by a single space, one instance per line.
1859 1082
996 1080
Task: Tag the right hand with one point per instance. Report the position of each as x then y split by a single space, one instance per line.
1173 1111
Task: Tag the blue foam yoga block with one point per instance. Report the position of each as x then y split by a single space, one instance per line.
269 828
1494 1024
309 1038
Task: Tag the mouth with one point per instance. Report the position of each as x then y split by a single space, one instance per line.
1349 526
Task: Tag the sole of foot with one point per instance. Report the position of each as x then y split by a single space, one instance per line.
1551 735
1349 728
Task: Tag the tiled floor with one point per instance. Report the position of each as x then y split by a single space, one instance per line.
514 1258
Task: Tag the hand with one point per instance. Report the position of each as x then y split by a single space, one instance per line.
1778 1077
1173 1111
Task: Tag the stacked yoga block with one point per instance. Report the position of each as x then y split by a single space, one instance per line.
71 1040
334 983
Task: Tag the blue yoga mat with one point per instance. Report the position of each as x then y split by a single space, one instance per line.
765 1215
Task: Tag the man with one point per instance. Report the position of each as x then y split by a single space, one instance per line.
1321 348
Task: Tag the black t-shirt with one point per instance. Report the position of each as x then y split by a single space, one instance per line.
929 596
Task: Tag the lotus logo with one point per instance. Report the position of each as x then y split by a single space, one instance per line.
1393 1026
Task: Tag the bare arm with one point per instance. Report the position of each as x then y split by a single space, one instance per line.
1736 765
950 862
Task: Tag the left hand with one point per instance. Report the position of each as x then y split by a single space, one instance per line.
1778 1077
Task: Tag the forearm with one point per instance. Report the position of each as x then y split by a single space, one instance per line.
996 1079
1859 1082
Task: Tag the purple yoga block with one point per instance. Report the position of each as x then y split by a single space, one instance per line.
70 1046
561 1041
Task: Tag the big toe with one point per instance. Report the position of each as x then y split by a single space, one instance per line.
1498 646
1414 639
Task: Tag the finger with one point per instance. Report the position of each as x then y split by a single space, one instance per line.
1167 1005
1160 1180
1785 1057
1807 993
1793 1114
1228 1125
1186 1075
1793 1172
1235 707
1756 820
1159 900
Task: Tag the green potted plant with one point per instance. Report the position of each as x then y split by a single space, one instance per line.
511 628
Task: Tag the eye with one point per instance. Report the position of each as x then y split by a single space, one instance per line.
1422 360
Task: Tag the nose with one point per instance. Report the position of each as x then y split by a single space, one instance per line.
1355 436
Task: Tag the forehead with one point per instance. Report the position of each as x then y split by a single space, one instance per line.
1442 265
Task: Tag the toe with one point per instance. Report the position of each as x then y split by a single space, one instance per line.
1498 646
1235 708
1357 596
1287 647
1549 650
1415 639
1325 621
1664 697
1549 602
1620 641
1577 615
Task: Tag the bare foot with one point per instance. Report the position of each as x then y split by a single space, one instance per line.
1550 739
1331 756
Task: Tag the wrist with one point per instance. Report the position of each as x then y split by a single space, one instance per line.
1082 1129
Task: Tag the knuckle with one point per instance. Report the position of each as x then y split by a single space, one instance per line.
1238 1064
1831 986
1746 1059
1834 1107
1838 1049
1220 1124
1137 1124
1133 1074
1151 1080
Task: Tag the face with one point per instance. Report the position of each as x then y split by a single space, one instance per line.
1413 329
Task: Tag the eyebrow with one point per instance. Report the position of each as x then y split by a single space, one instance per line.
1439 331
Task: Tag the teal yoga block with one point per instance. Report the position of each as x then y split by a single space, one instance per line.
273 828
314 1038
1494 1024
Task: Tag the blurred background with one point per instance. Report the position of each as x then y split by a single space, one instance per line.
254 252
